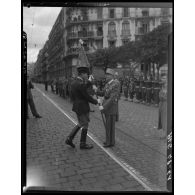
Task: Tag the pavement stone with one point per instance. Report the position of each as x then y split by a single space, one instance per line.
88 170
59 165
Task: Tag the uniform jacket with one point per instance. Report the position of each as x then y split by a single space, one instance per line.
29 87
110 93
80 97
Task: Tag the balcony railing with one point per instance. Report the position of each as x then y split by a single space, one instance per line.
111 33
125 32
99 33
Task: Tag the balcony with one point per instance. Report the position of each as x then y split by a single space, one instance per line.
140 31
99 33
125 33
111 35
72 35
72 50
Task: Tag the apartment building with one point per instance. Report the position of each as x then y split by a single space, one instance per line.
98 27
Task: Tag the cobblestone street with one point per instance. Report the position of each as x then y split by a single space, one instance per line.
52 164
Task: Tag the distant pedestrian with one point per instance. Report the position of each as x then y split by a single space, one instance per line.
81 100
46 85
126 87
30 100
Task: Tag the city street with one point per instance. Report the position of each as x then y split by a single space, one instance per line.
51 164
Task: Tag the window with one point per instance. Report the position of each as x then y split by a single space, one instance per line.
111 14
145 13
112 43
165 11
145 28
99 12
125 41
125 28
125 12
111 28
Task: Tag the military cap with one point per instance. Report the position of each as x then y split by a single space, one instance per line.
83 70
110 71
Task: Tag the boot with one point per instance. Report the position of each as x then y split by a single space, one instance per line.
83 144
72 135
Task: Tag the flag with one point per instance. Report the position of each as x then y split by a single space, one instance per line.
82 58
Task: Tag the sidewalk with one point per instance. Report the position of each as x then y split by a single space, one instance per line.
51 164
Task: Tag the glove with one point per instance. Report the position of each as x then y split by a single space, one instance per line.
91 78
94 88
99 101
101 108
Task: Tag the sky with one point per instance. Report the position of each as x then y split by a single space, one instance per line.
37 23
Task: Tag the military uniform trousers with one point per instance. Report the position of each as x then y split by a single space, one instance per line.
156 95
83 122
148 95
137 93
31 103
131 94
110 129
126 92
117 114
143 94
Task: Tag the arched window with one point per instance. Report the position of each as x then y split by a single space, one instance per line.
112 28
125 28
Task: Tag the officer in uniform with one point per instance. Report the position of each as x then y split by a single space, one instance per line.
131 89
148 89
81 100
156 92
137 83
126 87
117 81
109 106
143 91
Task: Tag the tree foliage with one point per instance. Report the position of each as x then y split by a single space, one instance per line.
152 48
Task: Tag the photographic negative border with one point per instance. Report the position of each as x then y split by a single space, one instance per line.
170 114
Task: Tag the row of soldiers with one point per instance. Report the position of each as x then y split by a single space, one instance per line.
60 86
142 90
136 89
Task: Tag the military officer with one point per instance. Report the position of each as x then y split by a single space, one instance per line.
81 100
109 106
117 81
126 87
131 88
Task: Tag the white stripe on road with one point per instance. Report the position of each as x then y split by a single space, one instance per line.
142 180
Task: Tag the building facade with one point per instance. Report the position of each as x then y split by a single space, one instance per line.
98 27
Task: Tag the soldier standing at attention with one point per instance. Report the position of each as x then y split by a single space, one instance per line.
109 106
125 87
81 100
117 81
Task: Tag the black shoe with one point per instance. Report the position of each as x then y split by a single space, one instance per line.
69 142
86 146
38 116
107 145
92 111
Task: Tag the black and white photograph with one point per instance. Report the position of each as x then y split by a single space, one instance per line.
98 97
